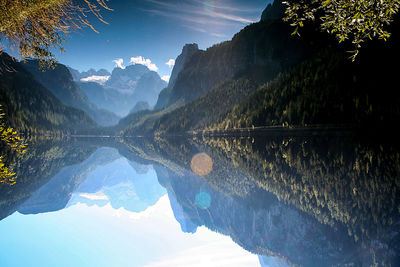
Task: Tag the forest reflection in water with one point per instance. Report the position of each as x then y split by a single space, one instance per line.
307 200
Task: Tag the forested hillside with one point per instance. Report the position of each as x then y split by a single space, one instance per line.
31 108
259 51
210 81
306 80
327 89
200 113
60 82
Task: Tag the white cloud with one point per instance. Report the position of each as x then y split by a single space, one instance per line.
96 78
118 63
170 62
144 61
165 78
200 12
95 196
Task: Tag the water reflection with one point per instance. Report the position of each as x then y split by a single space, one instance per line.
296 200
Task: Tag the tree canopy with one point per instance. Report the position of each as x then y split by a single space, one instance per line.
355 21
32 28
10 137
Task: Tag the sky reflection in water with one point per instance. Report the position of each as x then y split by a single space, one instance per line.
96 230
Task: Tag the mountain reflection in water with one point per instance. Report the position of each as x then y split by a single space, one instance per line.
319 200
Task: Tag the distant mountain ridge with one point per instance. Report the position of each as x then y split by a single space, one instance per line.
123 89
31 107
60 82
77 75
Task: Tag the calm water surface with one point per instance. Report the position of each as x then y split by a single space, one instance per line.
320 200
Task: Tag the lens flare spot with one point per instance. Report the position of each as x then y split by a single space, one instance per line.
201 164
203 200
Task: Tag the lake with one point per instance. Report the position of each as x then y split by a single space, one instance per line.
311 199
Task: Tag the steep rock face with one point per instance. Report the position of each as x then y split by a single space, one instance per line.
124 89
187 226
187 52
163 176
260 51
32 107
273 11
163 98
60 82
124 80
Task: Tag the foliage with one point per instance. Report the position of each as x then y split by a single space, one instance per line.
34 110
356 21
326 89
33 27
59 82
198 114
10 137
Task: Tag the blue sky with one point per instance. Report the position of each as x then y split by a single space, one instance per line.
156 31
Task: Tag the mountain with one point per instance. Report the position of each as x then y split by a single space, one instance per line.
187 52
141 105
124 89
102 178
212 82
122 186
265 76
106 98
124 80
55 194
100 76
148 87
328 89
31 107
60 82
259 51
49 156
187 226
273 11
